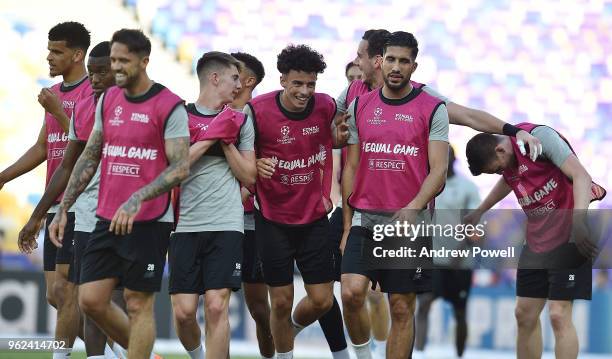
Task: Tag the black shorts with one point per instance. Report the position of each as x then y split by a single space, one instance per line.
137 259
280 245
357 260
80 243
52 254
336 229
555 284
252 271
453 285
200 261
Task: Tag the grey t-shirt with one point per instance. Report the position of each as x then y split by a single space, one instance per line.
554 148
176 126
87 203
459 194
210 196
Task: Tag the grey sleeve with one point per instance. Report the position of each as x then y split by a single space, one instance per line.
247 111
435 93
554 148
177 124
71 132
247 136
439 125
98 121
353 134
341 104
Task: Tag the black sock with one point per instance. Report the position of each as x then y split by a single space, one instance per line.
333 328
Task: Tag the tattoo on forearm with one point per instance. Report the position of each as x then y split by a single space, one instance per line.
84 169
177 152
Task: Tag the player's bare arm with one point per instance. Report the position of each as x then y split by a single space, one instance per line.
438 165
347 183
499 192
581 184
177 152
56 185
33 157
242 164
485 122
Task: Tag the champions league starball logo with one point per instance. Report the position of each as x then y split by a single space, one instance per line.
116 121
376 120
285 139
284 179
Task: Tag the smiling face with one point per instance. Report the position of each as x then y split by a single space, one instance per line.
127 66
299 87
398 66
228 83
366 64
60 58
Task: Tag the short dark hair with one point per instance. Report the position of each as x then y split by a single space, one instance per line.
300 58
403 39
74 33
348 67
215 59
101 50
252 63
135 40
376 39
480 151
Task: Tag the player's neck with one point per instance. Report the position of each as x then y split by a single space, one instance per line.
397 94
378 81
140 87
241 101
75 74
210 100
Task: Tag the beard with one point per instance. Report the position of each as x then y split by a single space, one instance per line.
396 86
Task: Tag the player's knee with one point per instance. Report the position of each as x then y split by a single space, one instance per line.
91 304
353 298
402 311
560 318
322 302
260 311
375 298
183 314
51 297
281 305
525 317
215 309
138 303
60 291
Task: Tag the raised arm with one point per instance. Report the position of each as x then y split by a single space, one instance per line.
485 122
33 157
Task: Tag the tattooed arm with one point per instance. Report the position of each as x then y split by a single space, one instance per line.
177 152
82 173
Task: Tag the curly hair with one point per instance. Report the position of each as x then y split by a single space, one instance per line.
300 58
74 33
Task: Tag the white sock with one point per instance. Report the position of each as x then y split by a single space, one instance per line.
98 357
341 354
197 353
108 353
418 354
287 355
362 351
119 351
297 328
380 343
263 357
